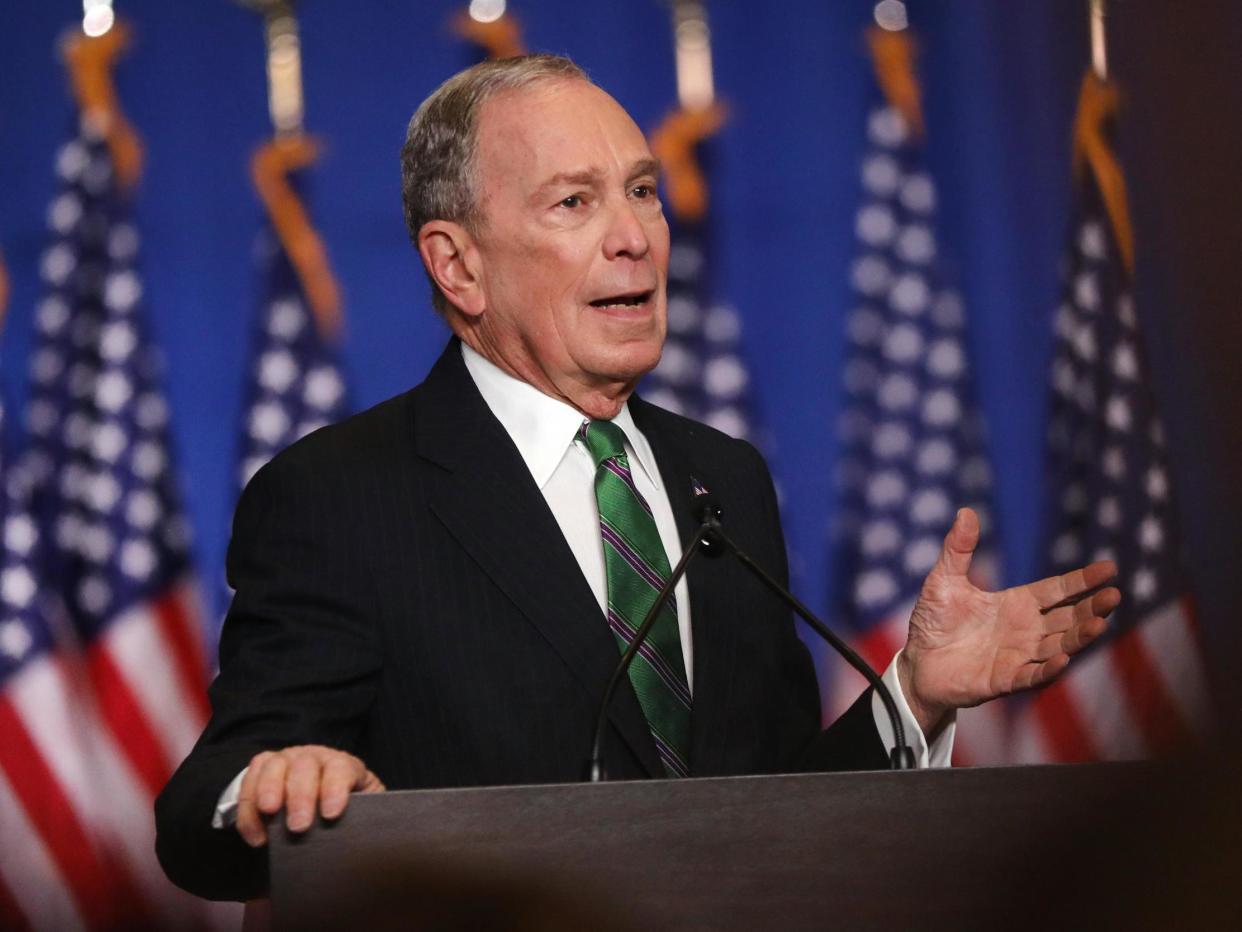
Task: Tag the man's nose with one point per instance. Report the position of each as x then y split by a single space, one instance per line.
626 236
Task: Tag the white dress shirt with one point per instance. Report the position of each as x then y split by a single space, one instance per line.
544 430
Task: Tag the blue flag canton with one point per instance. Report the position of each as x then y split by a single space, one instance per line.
701 373
296 383
1108 469
99 462
912 437
24 635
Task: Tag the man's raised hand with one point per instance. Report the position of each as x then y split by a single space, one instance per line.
967 645
299 780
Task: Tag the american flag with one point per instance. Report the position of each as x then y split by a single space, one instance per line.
295 379
702 373
102 664
1141 690
911 434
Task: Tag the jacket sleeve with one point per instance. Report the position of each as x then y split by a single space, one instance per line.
298 664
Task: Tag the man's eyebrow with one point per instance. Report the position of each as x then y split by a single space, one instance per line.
592 177
645 167
587 177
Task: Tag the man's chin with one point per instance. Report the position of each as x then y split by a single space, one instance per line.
634 361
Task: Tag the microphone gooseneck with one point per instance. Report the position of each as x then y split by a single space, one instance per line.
901 757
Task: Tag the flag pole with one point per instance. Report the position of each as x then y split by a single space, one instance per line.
1099 46
284 64
693 55
289 150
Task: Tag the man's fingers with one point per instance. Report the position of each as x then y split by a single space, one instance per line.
1055 589
341 775
1070 640
1099 605
269 791
302 790
959 543
302 780
249 821
1036 674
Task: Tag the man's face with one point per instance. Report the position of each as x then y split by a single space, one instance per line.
573 245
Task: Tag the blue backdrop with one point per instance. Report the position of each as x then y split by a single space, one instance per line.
1000 82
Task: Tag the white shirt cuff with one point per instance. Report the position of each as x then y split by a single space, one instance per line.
940 754
225 815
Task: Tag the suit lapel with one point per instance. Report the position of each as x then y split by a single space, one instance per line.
485 496
713 617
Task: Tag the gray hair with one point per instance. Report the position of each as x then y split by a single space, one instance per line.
439 174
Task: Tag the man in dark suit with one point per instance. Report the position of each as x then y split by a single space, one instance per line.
431 593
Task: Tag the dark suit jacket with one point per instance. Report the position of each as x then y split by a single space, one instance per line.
404 593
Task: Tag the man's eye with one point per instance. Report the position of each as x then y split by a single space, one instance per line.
644 191
574 200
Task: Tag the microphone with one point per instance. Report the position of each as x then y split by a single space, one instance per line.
708 511
702 542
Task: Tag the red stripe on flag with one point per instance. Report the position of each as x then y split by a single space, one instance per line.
877 647
120 710
55 819
11 916
1063 728
183 639
1150 704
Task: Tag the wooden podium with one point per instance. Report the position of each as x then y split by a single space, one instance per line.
1094 846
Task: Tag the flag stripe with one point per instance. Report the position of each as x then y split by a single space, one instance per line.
102 790
144 658
11 916
177 615
1154 712
1065 734
54 819
33 893
1094 684
982 735
122 713
1172 643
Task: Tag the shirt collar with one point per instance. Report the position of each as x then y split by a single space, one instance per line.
543 428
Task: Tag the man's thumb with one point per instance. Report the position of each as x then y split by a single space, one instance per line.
960 543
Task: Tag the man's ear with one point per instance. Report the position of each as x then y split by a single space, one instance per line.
451 258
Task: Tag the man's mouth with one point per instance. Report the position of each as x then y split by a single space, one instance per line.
634 299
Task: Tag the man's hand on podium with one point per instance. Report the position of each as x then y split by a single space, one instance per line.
967 645
299 780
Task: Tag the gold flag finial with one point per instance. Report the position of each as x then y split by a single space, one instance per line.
674 143
270 169
90 60
489 26
893 52
1098 105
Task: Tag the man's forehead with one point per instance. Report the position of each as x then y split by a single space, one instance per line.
558 127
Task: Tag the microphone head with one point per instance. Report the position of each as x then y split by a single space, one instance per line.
707 511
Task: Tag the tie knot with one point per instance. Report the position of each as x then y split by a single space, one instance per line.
604 440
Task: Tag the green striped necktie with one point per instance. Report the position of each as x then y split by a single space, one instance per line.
637 567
